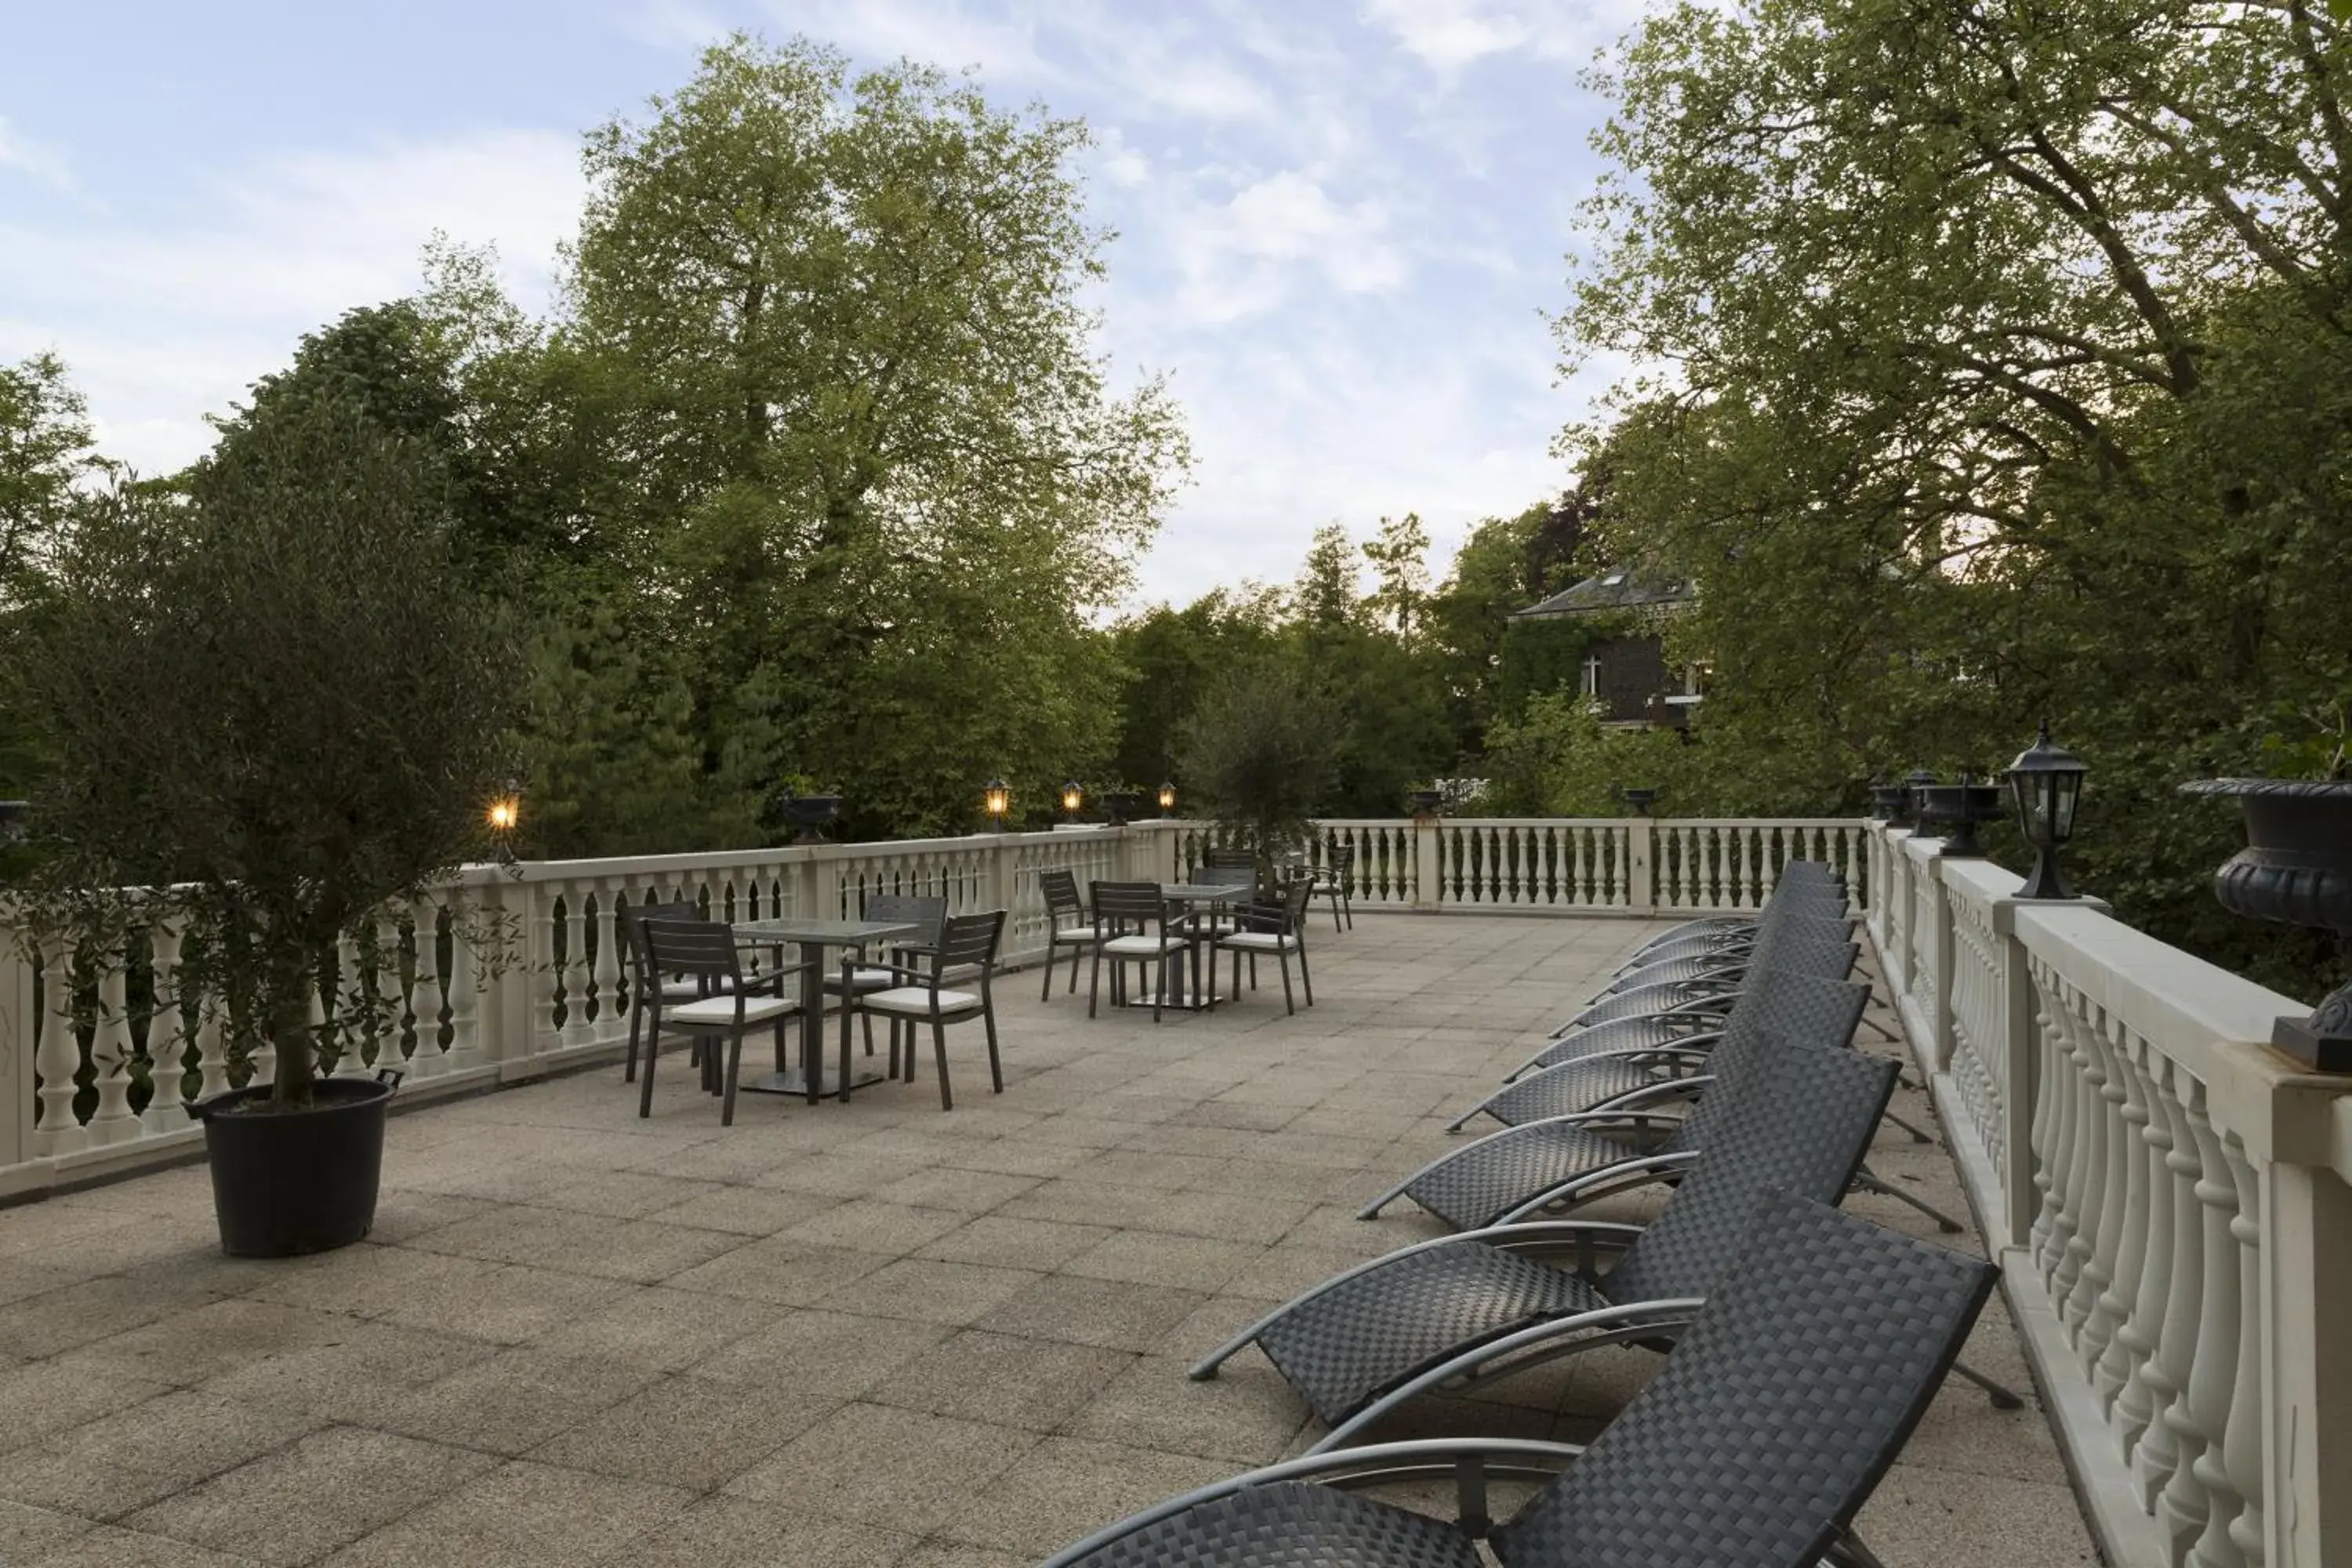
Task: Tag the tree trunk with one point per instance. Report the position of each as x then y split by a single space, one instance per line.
288 1020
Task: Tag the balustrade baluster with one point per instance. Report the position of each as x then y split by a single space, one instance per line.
2127 1347
211 1045
2066 1087
2086 1176
167 1042
2202 1500
2094 1294
2241 1441
58 1057
465 986
607 976
426 1057
357 1027
546 981
2174 1271
110 1053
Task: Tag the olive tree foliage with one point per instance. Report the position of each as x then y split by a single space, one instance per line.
276 690
1260 754
2003 350
878 479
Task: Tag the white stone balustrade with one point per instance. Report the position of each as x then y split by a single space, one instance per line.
2168 1197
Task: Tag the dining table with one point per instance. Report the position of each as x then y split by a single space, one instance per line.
812 939
1202 900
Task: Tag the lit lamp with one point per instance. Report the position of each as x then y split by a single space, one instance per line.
1168 800
1073 797
998 801
506 809
2044 783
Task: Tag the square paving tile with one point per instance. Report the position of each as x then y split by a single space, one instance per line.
1009 1243
1111 1313
119 1463
522 1515
737 1532
318 1493
1072 1488
515 1400
900 1469
690 1432
1002 1379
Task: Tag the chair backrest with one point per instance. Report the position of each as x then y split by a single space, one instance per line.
1777 1005
1061 891
643 971
691 947
1297 894
1224 876
968 940
1779 1411
1802 1127
926 911
1232 860
1119 905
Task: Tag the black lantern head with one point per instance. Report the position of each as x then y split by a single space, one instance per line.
996 796
1073 797
1167 800
2044 783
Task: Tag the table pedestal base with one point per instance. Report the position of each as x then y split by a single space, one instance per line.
796 1083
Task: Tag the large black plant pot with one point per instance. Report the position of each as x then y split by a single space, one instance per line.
808 814
2296 869
289 1182
1123 807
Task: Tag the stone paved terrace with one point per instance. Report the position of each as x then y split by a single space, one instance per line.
855 1336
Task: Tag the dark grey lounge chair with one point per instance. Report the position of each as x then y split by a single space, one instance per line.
1584 1153
1754 1448
1465 1310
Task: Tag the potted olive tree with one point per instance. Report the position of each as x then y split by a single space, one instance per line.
275 700
1260 754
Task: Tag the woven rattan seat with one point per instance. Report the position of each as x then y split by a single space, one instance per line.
1360 1339
1477 1185
1754 1448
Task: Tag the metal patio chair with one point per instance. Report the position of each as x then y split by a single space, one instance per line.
922 994
927 911
704 951
1272 930
1063 905
646 983
1131 926
1664 1009
1755 1448
1335 881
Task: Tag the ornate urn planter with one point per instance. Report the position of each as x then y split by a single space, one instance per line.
1956 809
807 814
1124 806
2296 868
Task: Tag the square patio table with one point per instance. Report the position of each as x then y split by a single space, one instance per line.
812 937
1205 898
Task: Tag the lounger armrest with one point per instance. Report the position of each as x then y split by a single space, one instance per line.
1560 1336
1471 1459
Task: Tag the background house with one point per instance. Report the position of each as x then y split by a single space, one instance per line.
1592 637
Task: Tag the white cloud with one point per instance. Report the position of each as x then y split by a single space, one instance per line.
162 321
1249 254
1449 35
20 153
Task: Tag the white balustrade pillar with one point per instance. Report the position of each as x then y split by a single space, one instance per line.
2018 1049
16 1051
1428 874
1641 840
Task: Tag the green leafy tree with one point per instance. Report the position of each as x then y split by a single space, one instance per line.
1261 754
279 687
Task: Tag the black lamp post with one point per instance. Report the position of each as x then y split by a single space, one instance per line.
2044 783
1167 800
1073 797
996 799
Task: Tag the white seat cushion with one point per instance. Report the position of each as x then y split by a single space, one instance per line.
1260 941
1141 946
915 1000
721 1010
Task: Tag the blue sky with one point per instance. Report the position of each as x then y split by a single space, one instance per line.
1339 220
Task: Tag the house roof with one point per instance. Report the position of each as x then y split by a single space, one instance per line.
1615 589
